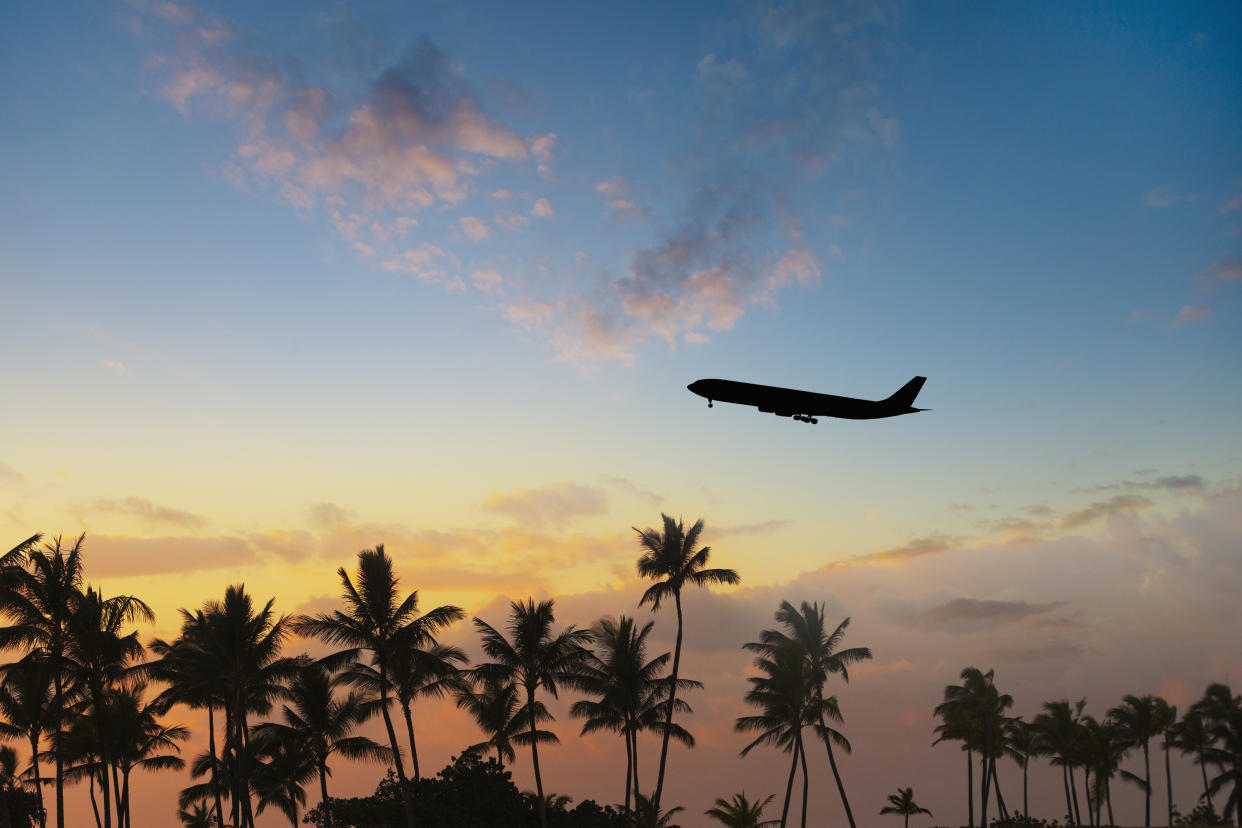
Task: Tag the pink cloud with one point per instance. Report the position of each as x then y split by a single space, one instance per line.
1192 314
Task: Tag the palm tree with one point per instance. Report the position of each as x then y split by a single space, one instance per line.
533 657
1191 735
142 742
377 621
282 766
1022 743
806 626
39 601
499 713
8 778
957 726
25 704
1059 729
416 672
320 723
783 694
973 712
628 689
196 815
1222 715
99 657
671 559
1103 747
739 812
903 804
1166 719
1138 717
649 814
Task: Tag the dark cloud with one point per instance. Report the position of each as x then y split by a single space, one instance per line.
969 614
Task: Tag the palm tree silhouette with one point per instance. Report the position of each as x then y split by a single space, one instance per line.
783 694
1166 719
375 621
1222 716
415 672
1191 735
142 741
196 815
973 712
1059 728
903 804
1138 717
39 601
533 657
807 628
320 723
282 766
673 561
498 711
25 702
1104 745
1022 743
628 689
740 812
649 814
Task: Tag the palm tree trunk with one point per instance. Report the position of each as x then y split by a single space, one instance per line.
1207 792
58 706
1074 790
1108 797
629 768
94 803
1026 808
34 767
215 769
409 729
793 768
1069 808
396 751
970 787
668 718
986 778
244 749
1168 777
637 789
323 793
1000 798
125 800
116 787
806 782
534 755
832 762
1086 789
1147 776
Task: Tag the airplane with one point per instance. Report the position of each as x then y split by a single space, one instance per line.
805 406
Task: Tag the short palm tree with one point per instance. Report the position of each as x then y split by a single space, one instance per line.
740 812
25 703
196 815
320 723
533 657
378 622
498 711
672 559
902 803
649 815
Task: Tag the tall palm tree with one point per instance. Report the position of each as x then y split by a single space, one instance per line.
740 812
141 740
1166 719
378 622
533 657
628 689
807 628
1022 743
99 657
39 601
416 672
974 712
1138 717
1059 728
321 723
783 694
672 559
25 704
903 804
1103 747
498 711
957 726
1191 735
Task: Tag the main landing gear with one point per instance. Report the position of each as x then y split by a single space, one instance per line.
805 419
709 403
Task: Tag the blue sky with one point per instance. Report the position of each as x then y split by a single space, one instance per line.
405 259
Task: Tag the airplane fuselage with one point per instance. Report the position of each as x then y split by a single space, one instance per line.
806 405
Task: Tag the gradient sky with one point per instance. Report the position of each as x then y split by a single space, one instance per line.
282 282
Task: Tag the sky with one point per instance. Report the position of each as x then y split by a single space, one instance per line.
285 281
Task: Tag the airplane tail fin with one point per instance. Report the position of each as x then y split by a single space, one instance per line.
908 392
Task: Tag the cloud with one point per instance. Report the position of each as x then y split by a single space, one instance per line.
427 263
1165 197
119 555
1089 514
1227 271
763 527
628 486
555 504
502 195
1192 314
542 209
487 281
329 515
114 365
475 229
970 614
544 147
148 512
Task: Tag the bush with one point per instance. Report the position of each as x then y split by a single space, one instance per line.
1203 814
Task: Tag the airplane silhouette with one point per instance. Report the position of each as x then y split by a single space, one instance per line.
805 406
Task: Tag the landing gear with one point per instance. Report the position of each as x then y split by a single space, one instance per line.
709 403
805 419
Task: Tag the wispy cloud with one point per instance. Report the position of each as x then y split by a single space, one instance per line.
148 512
1219 274
1165 197
1192 314
555 504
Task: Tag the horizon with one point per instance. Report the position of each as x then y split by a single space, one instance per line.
294 281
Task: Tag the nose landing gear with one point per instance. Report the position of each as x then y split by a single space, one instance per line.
709 403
